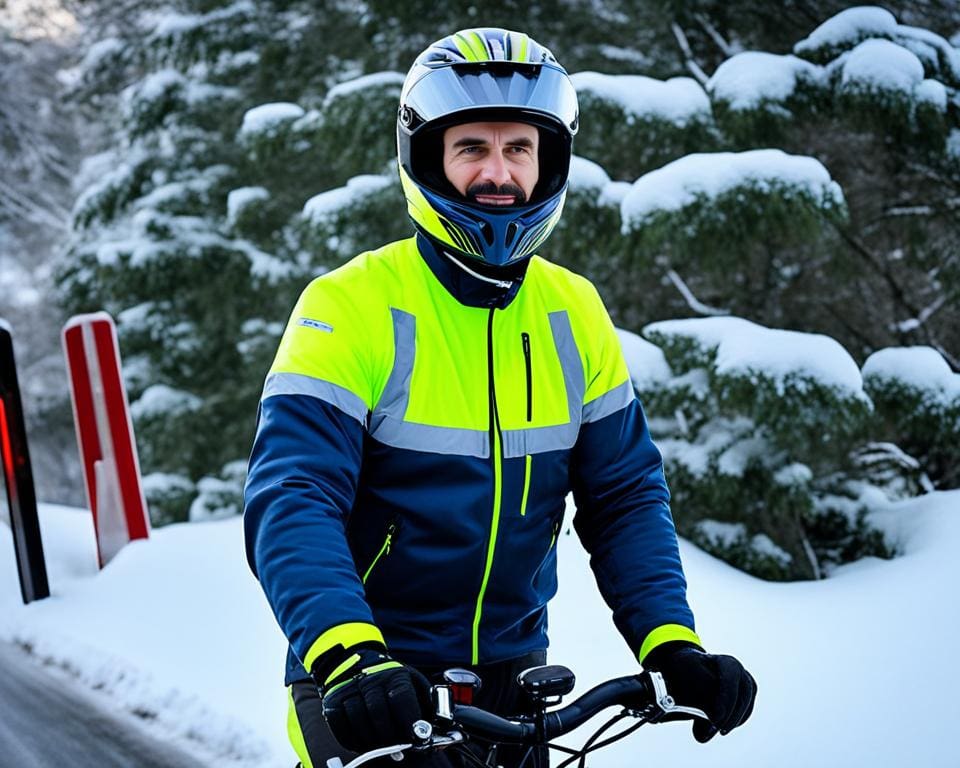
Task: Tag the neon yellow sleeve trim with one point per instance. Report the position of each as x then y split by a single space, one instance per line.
664 634
347 635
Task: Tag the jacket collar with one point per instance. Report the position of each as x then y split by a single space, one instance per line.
465 281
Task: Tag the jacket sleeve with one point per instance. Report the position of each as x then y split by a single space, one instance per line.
303 474
623 505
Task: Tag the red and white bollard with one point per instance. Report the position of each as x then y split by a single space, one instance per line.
108 450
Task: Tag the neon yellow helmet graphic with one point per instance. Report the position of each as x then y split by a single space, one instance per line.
485 75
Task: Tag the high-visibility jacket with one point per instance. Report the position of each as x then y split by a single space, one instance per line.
413 454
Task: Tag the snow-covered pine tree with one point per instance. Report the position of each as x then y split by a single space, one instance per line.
875 100
38 156
767 438
165 235
255 150
917 399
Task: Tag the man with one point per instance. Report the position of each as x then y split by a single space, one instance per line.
430 407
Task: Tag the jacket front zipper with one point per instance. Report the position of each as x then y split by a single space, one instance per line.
496 455
384 550
525 337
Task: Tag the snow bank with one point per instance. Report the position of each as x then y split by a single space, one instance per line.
206 657
162 630
745 348
920 368
680 183
321 208
679 100
748 79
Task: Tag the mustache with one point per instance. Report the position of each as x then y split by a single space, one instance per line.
489 188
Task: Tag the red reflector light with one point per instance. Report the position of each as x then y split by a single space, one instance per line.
462 694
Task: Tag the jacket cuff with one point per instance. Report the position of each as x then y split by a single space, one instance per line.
667 633
340 638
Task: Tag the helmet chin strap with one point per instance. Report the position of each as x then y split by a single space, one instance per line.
465 268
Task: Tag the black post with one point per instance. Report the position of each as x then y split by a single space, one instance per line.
18 476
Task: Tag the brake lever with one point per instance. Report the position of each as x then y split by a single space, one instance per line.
395 752
666 702
426 739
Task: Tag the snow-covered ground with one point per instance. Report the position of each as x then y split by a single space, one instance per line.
857 670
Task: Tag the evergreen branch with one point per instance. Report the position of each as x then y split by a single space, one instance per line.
896 290
908 210
715 35
691 63
911 324
24 206
852 330
947 355
692 301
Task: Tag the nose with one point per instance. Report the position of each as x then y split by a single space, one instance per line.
495 169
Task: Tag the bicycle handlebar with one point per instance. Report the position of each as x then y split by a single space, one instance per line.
632 692
644 696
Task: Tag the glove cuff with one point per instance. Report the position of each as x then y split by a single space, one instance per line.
656 658
340 664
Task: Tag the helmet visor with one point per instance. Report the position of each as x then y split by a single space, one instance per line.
540 90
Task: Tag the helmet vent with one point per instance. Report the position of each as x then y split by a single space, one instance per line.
487 231
512 230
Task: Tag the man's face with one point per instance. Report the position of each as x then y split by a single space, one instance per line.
492 163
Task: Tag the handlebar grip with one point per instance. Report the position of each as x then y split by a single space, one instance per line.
486 725
634 692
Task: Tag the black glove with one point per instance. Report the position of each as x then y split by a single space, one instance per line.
718 685
374 701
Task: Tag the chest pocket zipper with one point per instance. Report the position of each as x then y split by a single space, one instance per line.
525 338
384 550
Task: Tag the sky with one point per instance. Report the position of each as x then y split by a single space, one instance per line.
855 670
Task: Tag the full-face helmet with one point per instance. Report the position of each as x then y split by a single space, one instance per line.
488 75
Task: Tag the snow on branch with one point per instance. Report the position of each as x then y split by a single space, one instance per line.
692 301
679 100
745 348
707 176
684 44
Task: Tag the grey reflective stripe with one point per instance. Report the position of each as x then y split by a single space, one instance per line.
300 384
396 394
432 439
520 442
387 423
609 402
573 378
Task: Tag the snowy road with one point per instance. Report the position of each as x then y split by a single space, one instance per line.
46 722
